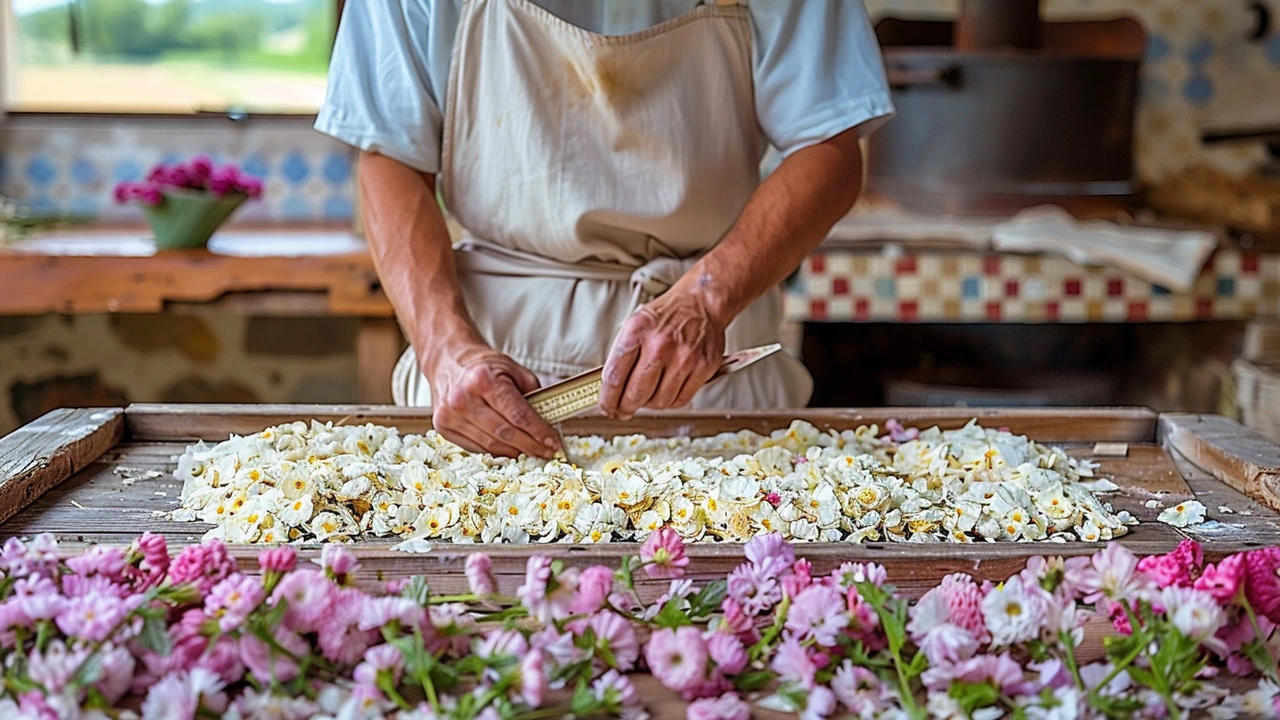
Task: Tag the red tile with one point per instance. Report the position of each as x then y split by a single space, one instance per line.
905 265
1249 263
817 263
993 311
908 311
1011 288
991 265
840 286
1138 311
1115 287
817 309
1052 311
1204 307
862 309
1071 287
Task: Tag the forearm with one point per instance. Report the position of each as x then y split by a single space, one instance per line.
413 254
787 218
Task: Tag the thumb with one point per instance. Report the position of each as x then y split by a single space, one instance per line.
524 379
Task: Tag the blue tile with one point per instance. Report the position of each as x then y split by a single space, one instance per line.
885 287
1200 52
337 168
40 171
254 164
1272 50
1160 290
295 168
1226 287
337 207
1157 48
296 207
1198 90
971 288
84 172
127 170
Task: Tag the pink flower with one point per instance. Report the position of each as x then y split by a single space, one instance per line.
734 619
855 572
379 659
615 689
664 554
338 562
948 643
155 554
178 695
817 613
773 499
250 186
727 652
54 667
199 169
595 584
117 673
1179 568
726 707
1195 614
792 662
820 704
547 598
205 565
1002 671
1262 586
678 659
223 180
379 611
858 689
501 643
556 646
91 617
1119 618
479 571
799 578
281 559
307 595
339 636
231 600
265 662
863 621
617 634
899 434
1224 580
533 679
769 549
223 660
38 598
122 193
1111 573
755 587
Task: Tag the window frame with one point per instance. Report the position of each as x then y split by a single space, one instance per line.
6 13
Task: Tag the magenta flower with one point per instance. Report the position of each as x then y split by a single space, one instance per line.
479 571
1179 568
735 619
755 586
678 659
155 554
533 678
1262 586
1002 671
556 646
947 643
595 584
726 707
664 554
381 611
817 614
794 663
615 633
204 565
858 689
769 549
281 559
820 704
798 579
231 600
1224 580
727 652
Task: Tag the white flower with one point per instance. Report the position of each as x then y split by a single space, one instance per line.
1013 613
296 511
1190 512
1196 614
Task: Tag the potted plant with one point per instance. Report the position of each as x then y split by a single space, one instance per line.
186 203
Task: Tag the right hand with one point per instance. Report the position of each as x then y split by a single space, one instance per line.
478 397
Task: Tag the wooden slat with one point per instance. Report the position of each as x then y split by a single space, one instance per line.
1228 451
1055 425
1234 521
38 456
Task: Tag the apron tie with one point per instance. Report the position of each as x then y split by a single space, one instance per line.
655 278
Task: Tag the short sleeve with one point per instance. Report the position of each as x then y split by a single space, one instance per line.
818 71
383 93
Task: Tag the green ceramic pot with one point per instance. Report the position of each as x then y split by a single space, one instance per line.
186 219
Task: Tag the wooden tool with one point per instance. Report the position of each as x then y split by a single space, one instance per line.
578 394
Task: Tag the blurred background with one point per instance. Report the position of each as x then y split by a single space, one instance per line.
1153 125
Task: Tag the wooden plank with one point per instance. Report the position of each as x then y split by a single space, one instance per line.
41 454
1228 451
378 348
1234 521
1054 425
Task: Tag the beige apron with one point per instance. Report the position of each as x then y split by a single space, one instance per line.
590 172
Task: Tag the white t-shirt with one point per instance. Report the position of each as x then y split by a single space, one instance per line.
818 70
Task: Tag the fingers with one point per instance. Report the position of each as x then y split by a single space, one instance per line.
687 367
695 382
617 370
524 378
485 411
645 377
514 421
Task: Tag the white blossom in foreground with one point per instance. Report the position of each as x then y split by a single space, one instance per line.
321 482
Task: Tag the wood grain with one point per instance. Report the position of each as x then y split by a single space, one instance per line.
378 347
1056 425
38 456
1229 451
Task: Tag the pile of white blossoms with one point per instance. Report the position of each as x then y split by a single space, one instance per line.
319 482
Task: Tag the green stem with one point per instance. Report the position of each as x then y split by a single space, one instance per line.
1070 658
779 619
1262 642
1120 666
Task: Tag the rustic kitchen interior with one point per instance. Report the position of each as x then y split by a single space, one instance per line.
1066 251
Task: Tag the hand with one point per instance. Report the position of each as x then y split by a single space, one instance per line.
663 355
478 394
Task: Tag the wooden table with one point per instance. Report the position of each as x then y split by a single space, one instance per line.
275 272
58 475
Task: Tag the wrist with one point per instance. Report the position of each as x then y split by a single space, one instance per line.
446 340
720 303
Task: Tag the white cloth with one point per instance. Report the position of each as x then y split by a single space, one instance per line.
582 196
816 69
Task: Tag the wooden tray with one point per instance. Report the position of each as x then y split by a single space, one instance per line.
57 475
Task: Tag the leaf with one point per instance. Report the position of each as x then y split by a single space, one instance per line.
708 599
624 573
1257 653
584 701
89 672
671 616
417 590
918 664
1141 675
154 635
752 681
971 696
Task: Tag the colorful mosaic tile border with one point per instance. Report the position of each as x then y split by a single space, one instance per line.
853 286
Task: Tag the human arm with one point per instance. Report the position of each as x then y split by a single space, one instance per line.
477 392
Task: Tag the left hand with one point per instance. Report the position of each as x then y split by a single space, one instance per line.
663 355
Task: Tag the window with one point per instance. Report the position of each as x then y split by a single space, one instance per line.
167 56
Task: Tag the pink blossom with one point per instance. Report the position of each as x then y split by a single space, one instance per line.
799 578
755 587
155 554
37 557
727 652
338 562
556 646
1179 568
858 689
595 584
339 636
533 679
250 186
1262 586
1001 670
615 633
615 688
864 622
501 643
99 560
117 673
817 613
792 662
898 433
726 707
199 169
734 619
379 611
663 554
91 617
479 571
379 659
281 559
678 659
820 704
122 193
547 598
948 643
395 587
205 565
770 549
1224 580
231 600
223 660
773 499
54 667
38 598
265 662
307 595
855 572
1112 573
177 696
